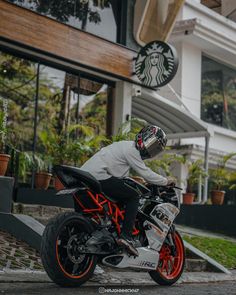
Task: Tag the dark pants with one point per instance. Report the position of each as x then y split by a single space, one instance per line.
116 189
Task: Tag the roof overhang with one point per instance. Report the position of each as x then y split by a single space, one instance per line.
175 121
214 34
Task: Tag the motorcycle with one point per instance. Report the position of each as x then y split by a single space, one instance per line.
73 243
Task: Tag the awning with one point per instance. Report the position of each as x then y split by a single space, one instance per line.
172 118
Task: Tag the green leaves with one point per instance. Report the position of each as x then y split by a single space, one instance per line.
129 129
195 172
73 147
223 251
221 176
64 9
163 164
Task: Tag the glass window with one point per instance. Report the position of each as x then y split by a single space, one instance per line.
218 104
98 17
18 86
71 112
72 116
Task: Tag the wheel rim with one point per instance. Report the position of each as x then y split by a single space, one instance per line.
170 266
71 262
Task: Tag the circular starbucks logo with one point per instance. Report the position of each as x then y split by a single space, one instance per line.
156 64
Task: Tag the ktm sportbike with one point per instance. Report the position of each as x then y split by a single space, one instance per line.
73 243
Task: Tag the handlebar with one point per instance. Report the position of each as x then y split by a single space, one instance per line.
177 187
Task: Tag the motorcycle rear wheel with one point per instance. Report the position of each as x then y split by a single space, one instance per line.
59 250
170 267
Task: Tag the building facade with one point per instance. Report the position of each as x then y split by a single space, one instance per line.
81 54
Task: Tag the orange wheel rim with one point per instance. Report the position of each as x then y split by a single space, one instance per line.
171 266
68 274
71 262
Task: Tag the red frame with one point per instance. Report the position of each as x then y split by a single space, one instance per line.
113 210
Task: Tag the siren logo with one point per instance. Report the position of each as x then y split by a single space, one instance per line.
156 64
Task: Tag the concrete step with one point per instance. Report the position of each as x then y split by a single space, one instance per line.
195 265
38 211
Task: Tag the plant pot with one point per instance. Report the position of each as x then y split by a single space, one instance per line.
42 180
188 198
217 197
57 184
4 159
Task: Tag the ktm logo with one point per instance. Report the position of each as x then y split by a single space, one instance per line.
161 216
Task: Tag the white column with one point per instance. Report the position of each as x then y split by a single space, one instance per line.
122 104
180 171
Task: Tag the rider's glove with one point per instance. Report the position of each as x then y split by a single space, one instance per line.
171 181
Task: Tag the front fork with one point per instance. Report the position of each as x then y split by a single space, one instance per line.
169 240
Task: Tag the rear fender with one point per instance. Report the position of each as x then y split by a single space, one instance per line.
70 191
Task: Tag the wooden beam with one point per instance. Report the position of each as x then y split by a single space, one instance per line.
39 32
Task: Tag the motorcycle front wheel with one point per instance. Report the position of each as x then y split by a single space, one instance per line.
171 265
61 241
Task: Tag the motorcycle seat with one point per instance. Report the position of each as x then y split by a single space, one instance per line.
74 177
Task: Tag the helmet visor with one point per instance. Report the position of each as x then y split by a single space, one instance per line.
153 146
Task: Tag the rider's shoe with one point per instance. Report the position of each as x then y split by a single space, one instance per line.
128 243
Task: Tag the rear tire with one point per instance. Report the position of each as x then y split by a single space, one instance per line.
60 257
170 267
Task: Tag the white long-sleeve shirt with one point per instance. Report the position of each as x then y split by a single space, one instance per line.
117 159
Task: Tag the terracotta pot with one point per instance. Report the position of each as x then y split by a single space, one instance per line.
4 159
217 197
188 198
42 180
57 184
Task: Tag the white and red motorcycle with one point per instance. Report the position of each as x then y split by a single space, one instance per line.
73 243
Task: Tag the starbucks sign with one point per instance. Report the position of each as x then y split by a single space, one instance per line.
156 64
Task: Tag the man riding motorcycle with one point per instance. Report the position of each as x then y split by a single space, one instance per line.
113 162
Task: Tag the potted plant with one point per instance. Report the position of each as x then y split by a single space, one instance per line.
220 177
195 172
67 148
42 176
165 162
4 158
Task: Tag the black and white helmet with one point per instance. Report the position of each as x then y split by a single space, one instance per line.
150 141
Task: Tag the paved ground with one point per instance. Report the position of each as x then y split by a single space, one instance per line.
113 277
17 255
20 257
225 288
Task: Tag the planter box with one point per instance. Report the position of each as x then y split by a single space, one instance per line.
6 193
42 197
216 218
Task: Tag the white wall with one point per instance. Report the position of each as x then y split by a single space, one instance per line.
122 104
191 78
176 82
187 82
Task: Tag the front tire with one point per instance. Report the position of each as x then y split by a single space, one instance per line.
170 266
59 250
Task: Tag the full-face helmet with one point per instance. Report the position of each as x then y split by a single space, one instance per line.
150 141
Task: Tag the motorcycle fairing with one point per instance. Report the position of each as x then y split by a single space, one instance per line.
147 259
163 215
